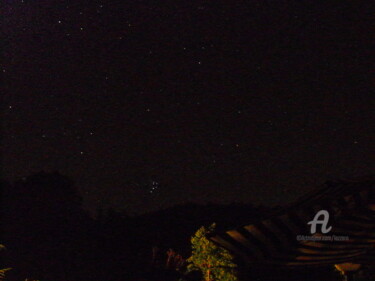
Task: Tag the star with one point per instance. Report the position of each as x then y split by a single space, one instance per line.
208 107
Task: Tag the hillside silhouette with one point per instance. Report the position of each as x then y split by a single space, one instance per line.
49 236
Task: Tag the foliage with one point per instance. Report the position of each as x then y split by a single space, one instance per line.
4 270
214 262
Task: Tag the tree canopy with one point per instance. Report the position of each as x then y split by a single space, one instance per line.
214 262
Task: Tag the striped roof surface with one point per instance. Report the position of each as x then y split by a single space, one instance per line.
285 238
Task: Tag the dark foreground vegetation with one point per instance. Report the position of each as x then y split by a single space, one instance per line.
49 237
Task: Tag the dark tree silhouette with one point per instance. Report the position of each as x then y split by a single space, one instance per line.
45 225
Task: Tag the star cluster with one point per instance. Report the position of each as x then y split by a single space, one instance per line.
237 102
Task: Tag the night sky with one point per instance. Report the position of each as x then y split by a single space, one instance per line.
146 104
